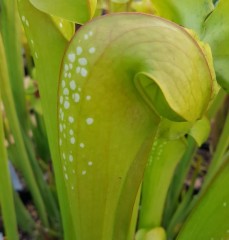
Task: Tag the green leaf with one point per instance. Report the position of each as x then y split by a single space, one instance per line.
188 13
9 20
170 130
48 50
216 33
200 131
110 85
73 10
160 169
22 161
209 219
144 6
6 190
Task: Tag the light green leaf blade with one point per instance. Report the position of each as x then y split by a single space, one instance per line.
200 131
216 33
160 168
48 45
209 219
73 10
67 29
6 190
11 38
107 118
189 13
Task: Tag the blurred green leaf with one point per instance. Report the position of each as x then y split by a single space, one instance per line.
6 190
48 45
73 10
10 28
159 171
216 33
189 13
200 131
209 219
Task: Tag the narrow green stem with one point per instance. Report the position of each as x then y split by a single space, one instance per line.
24 164
6 193
49 201
24 219
184 208
10 28
217 159
178 180
134 217
157 178
118 7
216 103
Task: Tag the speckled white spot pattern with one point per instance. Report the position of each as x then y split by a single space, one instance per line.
72 140
66 105
76 97
82 61
91 50
66 67
79 50
70 158
72 57
89 121
71 119
82 145
73 85
66 91
78 69
88 98
77 65
83 72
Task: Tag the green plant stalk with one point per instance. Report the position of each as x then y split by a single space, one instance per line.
6 192
24 164
24 219
161 165
48 198
47 69
10 29
40 137
183 208
209 218
134 217
118 7
216 104
217 159
178 180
